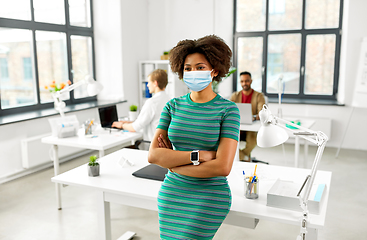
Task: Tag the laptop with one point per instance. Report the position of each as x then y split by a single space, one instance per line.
245 113
107 115
151 171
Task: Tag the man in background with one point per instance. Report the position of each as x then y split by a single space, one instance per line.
150 113
257 100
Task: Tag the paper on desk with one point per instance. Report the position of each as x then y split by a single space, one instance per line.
283 194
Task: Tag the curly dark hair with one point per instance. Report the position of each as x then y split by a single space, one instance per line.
215 50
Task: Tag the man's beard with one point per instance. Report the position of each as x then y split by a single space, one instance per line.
246 88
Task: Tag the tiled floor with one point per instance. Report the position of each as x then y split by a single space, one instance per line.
28 206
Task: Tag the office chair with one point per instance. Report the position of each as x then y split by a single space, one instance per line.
253 159
138 142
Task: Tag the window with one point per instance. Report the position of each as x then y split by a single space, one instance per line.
81 49
275 63
52 42
52 61
276 6
78 14
4 72
296 39
15 9
17 45
27 69
49 11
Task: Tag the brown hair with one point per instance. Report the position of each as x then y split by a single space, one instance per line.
215 50
160 76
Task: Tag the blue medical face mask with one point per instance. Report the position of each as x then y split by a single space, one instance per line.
197 80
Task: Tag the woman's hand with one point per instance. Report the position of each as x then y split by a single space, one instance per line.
117 124
205 156
164 142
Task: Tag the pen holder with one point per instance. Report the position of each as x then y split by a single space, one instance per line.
251 188
88 127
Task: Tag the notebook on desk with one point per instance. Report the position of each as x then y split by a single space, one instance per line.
151 171
245 113
107 115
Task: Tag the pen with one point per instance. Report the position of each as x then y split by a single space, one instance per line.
253 179
252 183
91 122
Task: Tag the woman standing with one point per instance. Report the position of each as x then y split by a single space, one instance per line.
196 139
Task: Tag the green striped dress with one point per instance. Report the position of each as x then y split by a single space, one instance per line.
190 207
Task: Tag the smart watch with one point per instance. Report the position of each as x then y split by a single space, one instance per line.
194 157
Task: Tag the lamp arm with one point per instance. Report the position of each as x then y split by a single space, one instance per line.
318 156
319 138
58 103
293 125
305 134
72 87
304 199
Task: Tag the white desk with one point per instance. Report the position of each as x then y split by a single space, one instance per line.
307 123
103 141
117 185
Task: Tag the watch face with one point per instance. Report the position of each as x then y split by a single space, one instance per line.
194 156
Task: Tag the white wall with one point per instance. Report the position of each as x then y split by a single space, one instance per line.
134 16
108 48
353 33
171 21
121 40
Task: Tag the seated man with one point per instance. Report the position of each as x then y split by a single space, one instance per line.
257 100
150 113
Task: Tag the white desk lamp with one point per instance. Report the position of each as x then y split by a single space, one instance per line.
93 88
272 133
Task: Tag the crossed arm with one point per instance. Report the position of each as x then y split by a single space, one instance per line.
212 163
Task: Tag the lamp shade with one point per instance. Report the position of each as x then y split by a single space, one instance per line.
93 87
270 135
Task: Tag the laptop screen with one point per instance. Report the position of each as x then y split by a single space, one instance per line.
245 113
107 115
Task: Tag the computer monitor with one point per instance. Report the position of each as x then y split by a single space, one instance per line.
107 115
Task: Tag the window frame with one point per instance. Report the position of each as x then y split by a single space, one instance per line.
304 33
51 27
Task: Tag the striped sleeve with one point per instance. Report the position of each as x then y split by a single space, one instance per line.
165 119
231 123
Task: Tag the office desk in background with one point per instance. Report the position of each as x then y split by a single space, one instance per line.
307 123
117 185
103 141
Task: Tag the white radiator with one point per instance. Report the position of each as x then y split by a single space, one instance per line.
35 153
